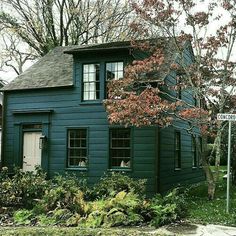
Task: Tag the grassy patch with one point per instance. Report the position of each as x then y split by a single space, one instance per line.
61 231
201 210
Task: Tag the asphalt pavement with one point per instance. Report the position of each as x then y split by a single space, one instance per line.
197 230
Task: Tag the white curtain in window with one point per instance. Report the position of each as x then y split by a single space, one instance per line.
90 82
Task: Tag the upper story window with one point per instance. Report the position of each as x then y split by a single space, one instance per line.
91 83
114 70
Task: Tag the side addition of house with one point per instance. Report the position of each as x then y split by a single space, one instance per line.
54 117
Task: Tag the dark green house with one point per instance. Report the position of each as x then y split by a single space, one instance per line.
54 117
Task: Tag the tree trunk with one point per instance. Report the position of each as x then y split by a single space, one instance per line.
218 153
234 165
211 184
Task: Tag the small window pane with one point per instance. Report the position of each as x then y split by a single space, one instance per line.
32 126
86 68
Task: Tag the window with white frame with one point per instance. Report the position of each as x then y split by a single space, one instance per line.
91 83
77 148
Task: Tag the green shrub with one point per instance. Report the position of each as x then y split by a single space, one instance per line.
23 188
64 193
111 184
3 174
122 209
44 220
23 217
60 201
167 209
56 217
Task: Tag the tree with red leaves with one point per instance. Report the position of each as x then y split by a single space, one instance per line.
144 97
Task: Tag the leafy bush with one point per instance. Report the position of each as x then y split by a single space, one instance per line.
56 217
122 209
23 188
64 193
23 217
171 207
113 183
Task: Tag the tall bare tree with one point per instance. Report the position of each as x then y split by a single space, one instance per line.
45 24
14 53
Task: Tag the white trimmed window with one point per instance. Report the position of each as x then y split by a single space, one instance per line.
91 83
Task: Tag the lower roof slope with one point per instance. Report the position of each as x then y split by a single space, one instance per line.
55 69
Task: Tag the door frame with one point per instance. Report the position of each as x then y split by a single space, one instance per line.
24 117
18 144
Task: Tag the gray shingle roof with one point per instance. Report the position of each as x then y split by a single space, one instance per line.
53 70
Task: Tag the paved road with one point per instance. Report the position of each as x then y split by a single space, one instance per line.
198 230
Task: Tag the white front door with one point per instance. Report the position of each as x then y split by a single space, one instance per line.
31 150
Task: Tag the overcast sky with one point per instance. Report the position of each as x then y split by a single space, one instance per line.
9 74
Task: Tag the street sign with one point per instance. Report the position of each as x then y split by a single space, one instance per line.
225 116
230 118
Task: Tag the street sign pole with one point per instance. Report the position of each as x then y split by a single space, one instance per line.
228 167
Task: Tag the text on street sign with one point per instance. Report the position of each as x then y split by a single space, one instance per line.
230 117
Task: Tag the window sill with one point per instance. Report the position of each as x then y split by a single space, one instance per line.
120 169
77 168
177 169
95 102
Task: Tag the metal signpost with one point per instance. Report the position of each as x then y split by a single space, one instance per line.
230 118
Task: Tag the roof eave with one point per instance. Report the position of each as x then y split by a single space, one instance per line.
23 89
85 50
